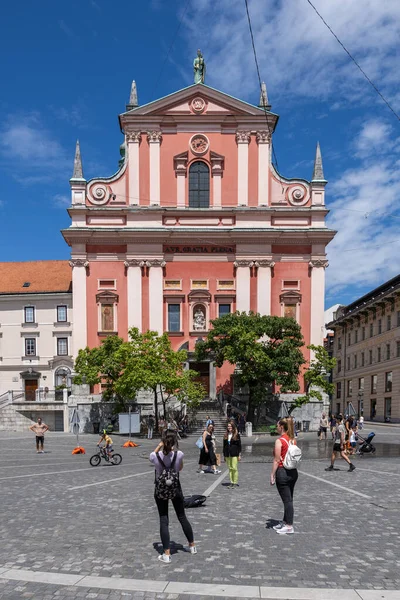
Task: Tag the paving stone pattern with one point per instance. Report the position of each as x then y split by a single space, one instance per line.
112 529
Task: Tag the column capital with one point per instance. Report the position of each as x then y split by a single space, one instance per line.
155 262
134 262
78 262
264 263
318 262
134 136
243 137
243 263
154 137
263 137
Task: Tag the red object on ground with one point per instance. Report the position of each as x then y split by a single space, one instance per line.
129 444
78 450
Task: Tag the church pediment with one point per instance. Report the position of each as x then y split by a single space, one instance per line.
195 100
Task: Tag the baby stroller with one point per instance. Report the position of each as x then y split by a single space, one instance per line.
366 447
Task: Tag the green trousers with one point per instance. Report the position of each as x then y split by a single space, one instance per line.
232 462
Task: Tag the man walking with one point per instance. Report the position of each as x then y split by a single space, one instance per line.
338 446
39 429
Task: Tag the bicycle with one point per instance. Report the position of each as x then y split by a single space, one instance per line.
95 460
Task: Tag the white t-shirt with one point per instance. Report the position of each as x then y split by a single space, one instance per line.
167 460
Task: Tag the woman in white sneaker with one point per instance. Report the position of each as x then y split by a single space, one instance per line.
165 449
285 479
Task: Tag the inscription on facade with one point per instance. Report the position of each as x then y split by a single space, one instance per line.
199 249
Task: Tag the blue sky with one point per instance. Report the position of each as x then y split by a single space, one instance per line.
66 74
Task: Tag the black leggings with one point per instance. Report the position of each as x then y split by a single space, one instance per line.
178 505
285 482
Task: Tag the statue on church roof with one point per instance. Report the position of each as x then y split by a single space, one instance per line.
199 67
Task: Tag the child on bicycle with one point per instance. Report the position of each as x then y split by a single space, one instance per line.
108 443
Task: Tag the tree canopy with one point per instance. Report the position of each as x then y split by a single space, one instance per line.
265 350
145 362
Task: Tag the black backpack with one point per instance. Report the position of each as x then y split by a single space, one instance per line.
167 484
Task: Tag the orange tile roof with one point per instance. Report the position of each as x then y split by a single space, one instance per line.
42 275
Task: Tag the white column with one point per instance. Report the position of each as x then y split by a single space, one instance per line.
217 197
79 327
180 189
243 140
263 139
317 307
264 286
134 292
133 139
243 284
156 295
154 138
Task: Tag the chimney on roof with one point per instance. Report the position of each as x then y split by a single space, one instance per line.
264 98
133 98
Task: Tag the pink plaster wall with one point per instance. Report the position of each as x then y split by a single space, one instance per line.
105 270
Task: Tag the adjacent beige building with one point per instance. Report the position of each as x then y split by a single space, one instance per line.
367 349
36 343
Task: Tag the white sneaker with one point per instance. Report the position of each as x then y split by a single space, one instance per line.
279 526
164 558
285 529
217 471
191 549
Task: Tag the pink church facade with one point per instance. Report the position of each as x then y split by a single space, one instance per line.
196 223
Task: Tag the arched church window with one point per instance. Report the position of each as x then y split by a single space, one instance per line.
199 185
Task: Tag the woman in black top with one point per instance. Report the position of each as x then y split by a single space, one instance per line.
232 452
207 453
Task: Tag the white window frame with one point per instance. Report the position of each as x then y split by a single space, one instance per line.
34 314
114 286
25 346
66 313
61 337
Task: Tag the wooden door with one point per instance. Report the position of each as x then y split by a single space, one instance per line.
203 369
31 385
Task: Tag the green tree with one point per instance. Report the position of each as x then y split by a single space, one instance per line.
153 365
264 349
103 364
147 361
316 377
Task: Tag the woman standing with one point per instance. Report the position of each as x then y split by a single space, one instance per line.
171 458
207 453
285 479
232 453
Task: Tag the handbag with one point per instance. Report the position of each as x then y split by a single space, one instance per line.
199 443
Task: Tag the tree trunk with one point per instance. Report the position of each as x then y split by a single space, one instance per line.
156 407
250 411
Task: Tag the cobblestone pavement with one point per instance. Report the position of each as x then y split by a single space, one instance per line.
60 515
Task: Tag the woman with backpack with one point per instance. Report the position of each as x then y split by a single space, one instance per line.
284 478
168 463
232 452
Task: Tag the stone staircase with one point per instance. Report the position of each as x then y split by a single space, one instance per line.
212 410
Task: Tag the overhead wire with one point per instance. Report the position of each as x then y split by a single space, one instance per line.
354 61
262 96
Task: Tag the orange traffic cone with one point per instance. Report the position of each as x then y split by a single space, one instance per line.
78 450
130 444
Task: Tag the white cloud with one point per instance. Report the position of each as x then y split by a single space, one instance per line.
366 214
62 201
30 152
298 56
